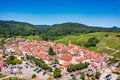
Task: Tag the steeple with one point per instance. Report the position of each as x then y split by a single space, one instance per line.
69 42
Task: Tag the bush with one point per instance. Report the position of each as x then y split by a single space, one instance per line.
57 73
34 76
74 78
97 75
91 42
82 76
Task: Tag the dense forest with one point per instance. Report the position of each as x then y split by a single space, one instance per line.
47 32
12 28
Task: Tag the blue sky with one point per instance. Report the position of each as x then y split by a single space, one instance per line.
104 13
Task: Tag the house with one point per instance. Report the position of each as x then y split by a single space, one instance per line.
43 56
80 59
66 57
94 64
67 63
115 69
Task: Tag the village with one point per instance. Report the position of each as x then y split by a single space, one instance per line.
42 60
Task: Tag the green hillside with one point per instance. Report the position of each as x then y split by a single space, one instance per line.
42 26
109 42
58 30
46 32
13 28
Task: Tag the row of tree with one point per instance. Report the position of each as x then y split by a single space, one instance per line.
39 62
78 66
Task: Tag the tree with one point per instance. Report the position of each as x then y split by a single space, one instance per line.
97 75
51 52
50 69
91 42
82 76
57 73
74 78
39 62
34 76
78 66
55 61
2 42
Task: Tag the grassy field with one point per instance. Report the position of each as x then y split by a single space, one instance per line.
109 42
14 78
2 75
31 37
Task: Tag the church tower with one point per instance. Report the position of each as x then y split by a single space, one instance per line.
69 42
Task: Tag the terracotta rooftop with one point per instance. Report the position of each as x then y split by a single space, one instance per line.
67 63
66 57
43 56
93 64
80 59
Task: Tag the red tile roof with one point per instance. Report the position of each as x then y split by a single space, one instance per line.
66 57
42 56
67 63
80 59
93 64
99 59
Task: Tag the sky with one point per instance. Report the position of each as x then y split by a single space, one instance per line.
105 13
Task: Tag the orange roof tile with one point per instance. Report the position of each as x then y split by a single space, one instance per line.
80 59
93 64
67 63
66 57
44 57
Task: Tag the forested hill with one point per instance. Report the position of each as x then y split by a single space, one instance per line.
14 28
42 26
73 29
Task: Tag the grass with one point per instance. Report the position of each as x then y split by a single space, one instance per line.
13 60
113 60
111 41
117 55
14 78
2 75
35 37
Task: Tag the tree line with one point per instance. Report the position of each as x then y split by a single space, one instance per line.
78 66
